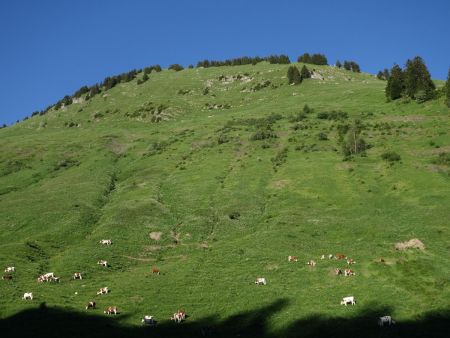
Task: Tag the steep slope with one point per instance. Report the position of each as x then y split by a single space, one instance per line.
181 157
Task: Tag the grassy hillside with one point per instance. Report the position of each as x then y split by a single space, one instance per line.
176 158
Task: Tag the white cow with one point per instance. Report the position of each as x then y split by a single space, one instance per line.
28 295
348 300
49 275
105 242
10 269
103 263
260 281
149 320
386 320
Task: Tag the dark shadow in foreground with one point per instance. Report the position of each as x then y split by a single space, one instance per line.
55 322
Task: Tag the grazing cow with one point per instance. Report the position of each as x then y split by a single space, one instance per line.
111 310
386 320
149 320
103 263
103 291
178 316
292 259
350 261
77 275
348 272
330 256
105 242
340 256
260 281
311 263
156 271
54 279
7 277
338 271
10 269
348 300
28 295
91 305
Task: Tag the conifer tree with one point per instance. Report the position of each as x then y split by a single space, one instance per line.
338 64
386 74
305 73
293 75
395 84
305 58
418 83
347 65
380 75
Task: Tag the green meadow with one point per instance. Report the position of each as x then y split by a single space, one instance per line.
173 172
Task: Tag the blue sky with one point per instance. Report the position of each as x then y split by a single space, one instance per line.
50 48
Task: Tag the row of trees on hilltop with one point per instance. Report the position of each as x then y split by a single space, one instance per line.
414 82
349 65
246 60
315 59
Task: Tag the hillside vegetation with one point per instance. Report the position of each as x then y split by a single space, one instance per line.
215 176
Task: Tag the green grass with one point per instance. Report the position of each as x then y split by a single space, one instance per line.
122 176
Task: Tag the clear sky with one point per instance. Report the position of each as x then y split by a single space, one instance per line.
50 48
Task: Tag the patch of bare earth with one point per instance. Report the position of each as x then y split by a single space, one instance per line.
411 244
156 235
280 184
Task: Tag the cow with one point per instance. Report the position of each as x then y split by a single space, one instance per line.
105 242
340 256
349 272
28 295
350 261
260 281
10 269
386 320
292 259
7 277
91 305
77 275
103 291
330 256
103 263
348 300
178 316
111 310
322 257
156 271
54 279
311 263
338 271
149 320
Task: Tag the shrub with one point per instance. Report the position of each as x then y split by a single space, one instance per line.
176 67
322 136
442 159
293 75
223 138
280 157
390 156
263 135
234 215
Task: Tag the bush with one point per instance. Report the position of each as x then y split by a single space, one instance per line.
391 156
176 67
443 159
223 138
263 135
293 75
322 136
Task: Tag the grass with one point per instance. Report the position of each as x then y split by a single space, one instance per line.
122 175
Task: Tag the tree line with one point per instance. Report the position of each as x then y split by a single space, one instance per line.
246 60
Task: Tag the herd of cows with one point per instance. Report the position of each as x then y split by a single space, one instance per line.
180 315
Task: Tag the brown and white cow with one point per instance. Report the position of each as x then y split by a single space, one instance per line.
340 256
111 310
91 305
348 272
103 291
311 263
178 316
351 261
338 271
292 259
77 275
156 271
102 263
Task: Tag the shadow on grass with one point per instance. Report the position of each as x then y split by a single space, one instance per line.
56 322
